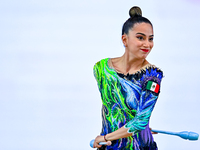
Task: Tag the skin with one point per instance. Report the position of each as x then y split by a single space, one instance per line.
138 44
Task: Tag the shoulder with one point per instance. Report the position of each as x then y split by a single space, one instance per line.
105 60
151 78
98 67
101 63
152 70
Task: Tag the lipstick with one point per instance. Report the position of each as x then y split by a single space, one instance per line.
145 50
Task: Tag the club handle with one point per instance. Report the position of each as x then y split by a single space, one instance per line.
184 134
101 143
164 132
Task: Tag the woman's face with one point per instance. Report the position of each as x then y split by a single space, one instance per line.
139 40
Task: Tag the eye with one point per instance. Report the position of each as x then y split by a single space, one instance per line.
151 39
140 38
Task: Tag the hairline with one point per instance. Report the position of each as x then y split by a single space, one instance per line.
136 24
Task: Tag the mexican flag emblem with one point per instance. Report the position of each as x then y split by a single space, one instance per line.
152 86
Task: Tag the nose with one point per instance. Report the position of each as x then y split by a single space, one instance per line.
147 44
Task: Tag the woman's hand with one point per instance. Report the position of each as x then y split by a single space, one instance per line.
97 140
153 132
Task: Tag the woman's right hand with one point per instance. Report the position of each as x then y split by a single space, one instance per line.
97 140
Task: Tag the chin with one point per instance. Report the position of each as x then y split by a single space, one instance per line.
144 56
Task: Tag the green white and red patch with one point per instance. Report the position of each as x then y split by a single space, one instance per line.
153 86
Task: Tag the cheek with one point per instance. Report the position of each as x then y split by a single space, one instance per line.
151 45
139 44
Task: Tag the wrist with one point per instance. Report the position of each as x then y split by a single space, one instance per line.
105 138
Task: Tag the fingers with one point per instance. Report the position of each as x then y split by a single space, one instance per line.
96 142
154 132
100 139
96 145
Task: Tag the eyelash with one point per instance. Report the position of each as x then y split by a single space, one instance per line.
151 39
141 38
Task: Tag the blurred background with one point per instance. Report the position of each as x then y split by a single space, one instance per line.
48 96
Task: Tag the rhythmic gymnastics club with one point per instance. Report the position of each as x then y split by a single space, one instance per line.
101 143
184 134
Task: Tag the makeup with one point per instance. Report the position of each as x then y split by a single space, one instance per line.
145 50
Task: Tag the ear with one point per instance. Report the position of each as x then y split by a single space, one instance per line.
124 40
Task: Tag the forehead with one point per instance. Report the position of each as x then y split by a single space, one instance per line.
145 28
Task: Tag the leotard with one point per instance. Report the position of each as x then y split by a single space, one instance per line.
128 100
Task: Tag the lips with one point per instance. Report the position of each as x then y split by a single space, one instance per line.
145 50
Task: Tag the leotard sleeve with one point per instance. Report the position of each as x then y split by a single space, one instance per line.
97 74
148 98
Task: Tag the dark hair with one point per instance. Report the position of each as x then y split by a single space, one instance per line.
135 17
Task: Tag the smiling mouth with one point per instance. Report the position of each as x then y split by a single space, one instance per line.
145 50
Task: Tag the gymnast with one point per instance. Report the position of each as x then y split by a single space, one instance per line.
129 87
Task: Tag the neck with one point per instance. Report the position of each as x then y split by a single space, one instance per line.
129 64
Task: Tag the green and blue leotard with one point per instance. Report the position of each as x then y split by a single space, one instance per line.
128 101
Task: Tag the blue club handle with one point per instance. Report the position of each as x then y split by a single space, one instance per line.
184 134
92 142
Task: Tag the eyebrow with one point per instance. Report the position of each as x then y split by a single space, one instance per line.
143 34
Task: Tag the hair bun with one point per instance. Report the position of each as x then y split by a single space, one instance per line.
135 12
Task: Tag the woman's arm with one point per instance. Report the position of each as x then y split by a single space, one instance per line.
145 107
138 123
120 133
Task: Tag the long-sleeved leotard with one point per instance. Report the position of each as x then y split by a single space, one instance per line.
128 100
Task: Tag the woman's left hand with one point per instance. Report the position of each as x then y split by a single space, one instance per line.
153 132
